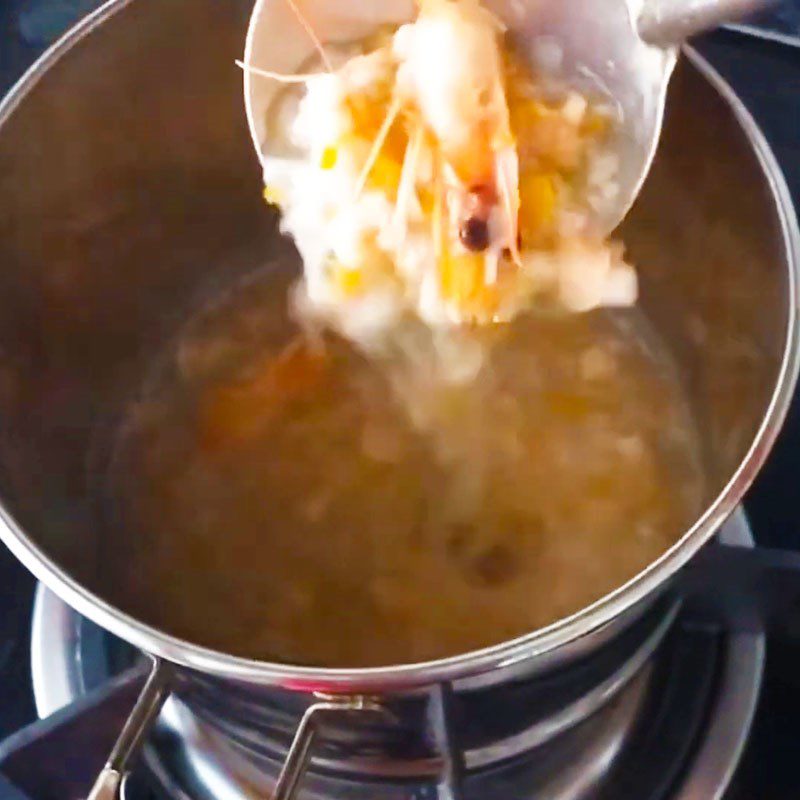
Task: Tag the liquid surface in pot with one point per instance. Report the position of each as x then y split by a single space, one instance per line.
280 505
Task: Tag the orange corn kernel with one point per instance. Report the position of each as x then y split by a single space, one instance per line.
272 195
462 282
328 158
385 175
537 209
350 282
596 124
546 136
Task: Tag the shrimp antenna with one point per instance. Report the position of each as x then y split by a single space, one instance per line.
311 34
408 178
437 218
276 76
507 168
377 145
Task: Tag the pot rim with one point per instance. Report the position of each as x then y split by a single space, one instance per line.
502 655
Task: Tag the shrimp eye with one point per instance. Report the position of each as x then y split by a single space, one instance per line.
474 234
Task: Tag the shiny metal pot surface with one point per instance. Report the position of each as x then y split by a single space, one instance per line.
128 188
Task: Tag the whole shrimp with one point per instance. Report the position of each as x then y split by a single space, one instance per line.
451 70
450 74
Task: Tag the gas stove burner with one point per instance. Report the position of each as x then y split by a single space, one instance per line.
661 711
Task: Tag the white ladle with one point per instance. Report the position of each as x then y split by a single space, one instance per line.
625 49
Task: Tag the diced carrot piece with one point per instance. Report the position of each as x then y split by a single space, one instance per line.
426 200
232 414
368 109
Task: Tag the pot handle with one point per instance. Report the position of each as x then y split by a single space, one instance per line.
442 721
148 705
300 749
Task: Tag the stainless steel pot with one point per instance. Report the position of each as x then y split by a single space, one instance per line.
128 188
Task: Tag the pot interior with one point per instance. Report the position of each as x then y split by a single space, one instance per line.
130 195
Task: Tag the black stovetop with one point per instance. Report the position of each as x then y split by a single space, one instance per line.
766 74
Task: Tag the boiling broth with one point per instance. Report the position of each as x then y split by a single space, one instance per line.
292 505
